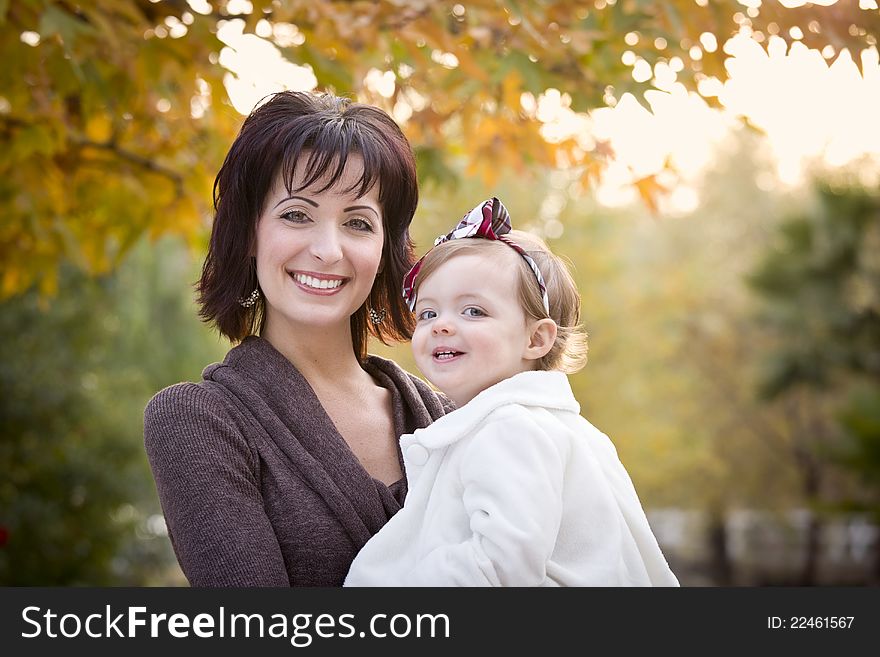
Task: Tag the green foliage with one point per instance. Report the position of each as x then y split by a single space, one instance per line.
820 292
821 287
58 498
76 371
860 419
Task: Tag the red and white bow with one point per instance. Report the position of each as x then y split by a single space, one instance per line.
489 220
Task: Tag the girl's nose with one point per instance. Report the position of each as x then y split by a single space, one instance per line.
441 326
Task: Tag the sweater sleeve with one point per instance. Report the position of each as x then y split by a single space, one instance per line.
207 478
512 483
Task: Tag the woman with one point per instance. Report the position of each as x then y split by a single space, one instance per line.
278 466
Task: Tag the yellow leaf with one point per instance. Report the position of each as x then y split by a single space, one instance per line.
11 279
650 191
511 90
433 33
99 128
468 65
591 173
49 283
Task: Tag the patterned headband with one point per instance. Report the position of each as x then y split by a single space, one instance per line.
489 220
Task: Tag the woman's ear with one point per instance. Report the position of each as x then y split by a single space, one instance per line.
541 338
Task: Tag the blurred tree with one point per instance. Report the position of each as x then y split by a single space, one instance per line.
114 116
821 290
77 502
860 420
672 348
822 282
676 351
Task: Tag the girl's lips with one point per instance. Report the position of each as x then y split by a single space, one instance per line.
446 355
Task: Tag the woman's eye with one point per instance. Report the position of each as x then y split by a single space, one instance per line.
426 314
474 312
360 224
295 216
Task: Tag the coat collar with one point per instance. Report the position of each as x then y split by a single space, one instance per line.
549 390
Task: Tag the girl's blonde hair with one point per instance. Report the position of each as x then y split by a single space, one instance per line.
569 351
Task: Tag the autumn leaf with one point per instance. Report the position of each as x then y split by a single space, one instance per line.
108 91
650 191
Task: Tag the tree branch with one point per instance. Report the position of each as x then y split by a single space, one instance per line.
134 158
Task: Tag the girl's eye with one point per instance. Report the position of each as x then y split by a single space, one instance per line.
426 314
295 216
471 311
361 224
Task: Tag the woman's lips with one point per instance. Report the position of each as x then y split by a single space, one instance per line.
318 284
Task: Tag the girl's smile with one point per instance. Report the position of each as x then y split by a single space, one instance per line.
446 354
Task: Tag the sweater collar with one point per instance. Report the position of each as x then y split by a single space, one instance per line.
262 363
543 389
277 398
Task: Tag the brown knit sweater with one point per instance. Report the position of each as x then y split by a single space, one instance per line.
257 486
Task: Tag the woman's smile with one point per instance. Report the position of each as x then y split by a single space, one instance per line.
320 284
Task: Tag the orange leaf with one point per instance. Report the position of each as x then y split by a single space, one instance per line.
650 191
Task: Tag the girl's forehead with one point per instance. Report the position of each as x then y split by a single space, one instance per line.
488 259
474 270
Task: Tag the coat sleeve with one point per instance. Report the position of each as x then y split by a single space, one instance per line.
512 484
207 478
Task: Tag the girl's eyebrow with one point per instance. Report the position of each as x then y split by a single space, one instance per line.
459 298
301 198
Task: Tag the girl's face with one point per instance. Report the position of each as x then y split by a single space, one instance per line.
318 253
471 332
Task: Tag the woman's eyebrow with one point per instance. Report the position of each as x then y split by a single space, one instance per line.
360 207
294 196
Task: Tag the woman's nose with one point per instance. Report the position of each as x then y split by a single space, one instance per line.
326 245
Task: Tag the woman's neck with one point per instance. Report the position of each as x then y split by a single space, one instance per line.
320 354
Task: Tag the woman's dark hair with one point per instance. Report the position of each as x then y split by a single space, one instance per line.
318 132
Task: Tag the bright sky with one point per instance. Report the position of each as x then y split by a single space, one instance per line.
810 109
813 107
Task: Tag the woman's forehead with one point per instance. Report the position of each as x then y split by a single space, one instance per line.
347 181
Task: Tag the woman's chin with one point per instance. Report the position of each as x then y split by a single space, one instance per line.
311 319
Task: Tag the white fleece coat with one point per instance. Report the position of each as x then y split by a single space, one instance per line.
514 489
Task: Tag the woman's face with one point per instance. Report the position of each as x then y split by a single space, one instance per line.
318 253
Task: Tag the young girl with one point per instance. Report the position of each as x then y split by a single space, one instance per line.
514 488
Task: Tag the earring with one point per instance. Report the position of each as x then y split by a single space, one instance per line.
250 300
377 317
